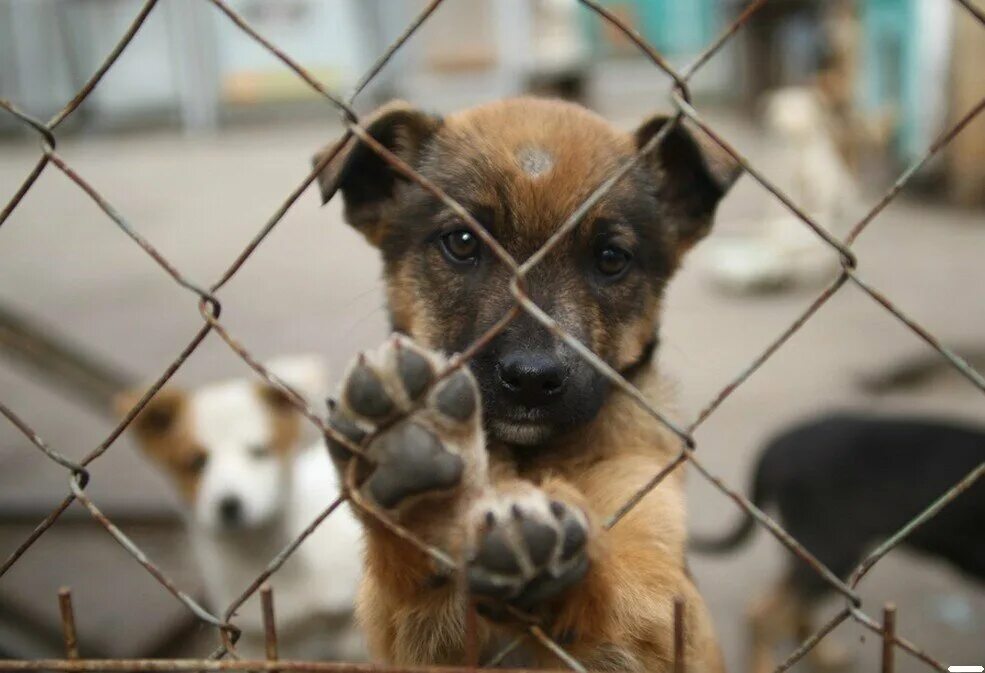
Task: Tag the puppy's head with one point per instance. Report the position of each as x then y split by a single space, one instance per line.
521 167
227 447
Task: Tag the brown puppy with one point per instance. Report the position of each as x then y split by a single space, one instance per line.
516 463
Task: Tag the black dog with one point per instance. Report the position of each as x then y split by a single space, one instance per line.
845 483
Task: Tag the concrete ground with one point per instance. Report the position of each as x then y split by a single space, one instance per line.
313 286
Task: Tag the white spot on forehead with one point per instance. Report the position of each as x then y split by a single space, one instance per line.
535 161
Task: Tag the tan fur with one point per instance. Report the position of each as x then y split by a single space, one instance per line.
620 614
584 146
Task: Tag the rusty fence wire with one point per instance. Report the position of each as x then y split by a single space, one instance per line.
210 307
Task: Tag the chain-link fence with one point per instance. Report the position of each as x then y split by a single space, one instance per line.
209 305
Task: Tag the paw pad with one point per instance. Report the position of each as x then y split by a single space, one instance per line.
411 460
420 444
365 392
456 398
415 372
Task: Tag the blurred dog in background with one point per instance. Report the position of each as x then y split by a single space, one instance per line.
234 452
780 250
844 483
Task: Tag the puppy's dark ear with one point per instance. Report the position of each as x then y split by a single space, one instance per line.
368 183
692 175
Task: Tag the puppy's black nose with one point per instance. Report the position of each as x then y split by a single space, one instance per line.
230 510
532 379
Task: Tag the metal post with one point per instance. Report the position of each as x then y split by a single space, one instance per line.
269 625
68 623
679 636
889 638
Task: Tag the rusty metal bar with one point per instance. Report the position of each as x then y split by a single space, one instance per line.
282 210
641 43
642 492
28 431
680 637
149 565
108 63
174 665
93 455
508 649
889 638
31 121
269 623
973 10
778 532
956 361
722 39
848 259
809 644
902 643
282 557
905 177
754 366
69 633
260 236
556 649
387 55
471 631
137 238
24 188
278 53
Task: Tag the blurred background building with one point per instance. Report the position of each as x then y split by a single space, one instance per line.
896 70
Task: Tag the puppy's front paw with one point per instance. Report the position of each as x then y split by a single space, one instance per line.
438 437
527 549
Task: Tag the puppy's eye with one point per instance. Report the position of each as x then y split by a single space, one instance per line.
259 451
611 260
460 246
198 462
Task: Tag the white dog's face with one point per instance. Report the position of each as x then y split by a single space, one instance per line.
228 447
245 477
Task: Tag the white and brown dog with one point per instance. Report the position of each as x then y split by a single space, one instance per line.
779 251
234 452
